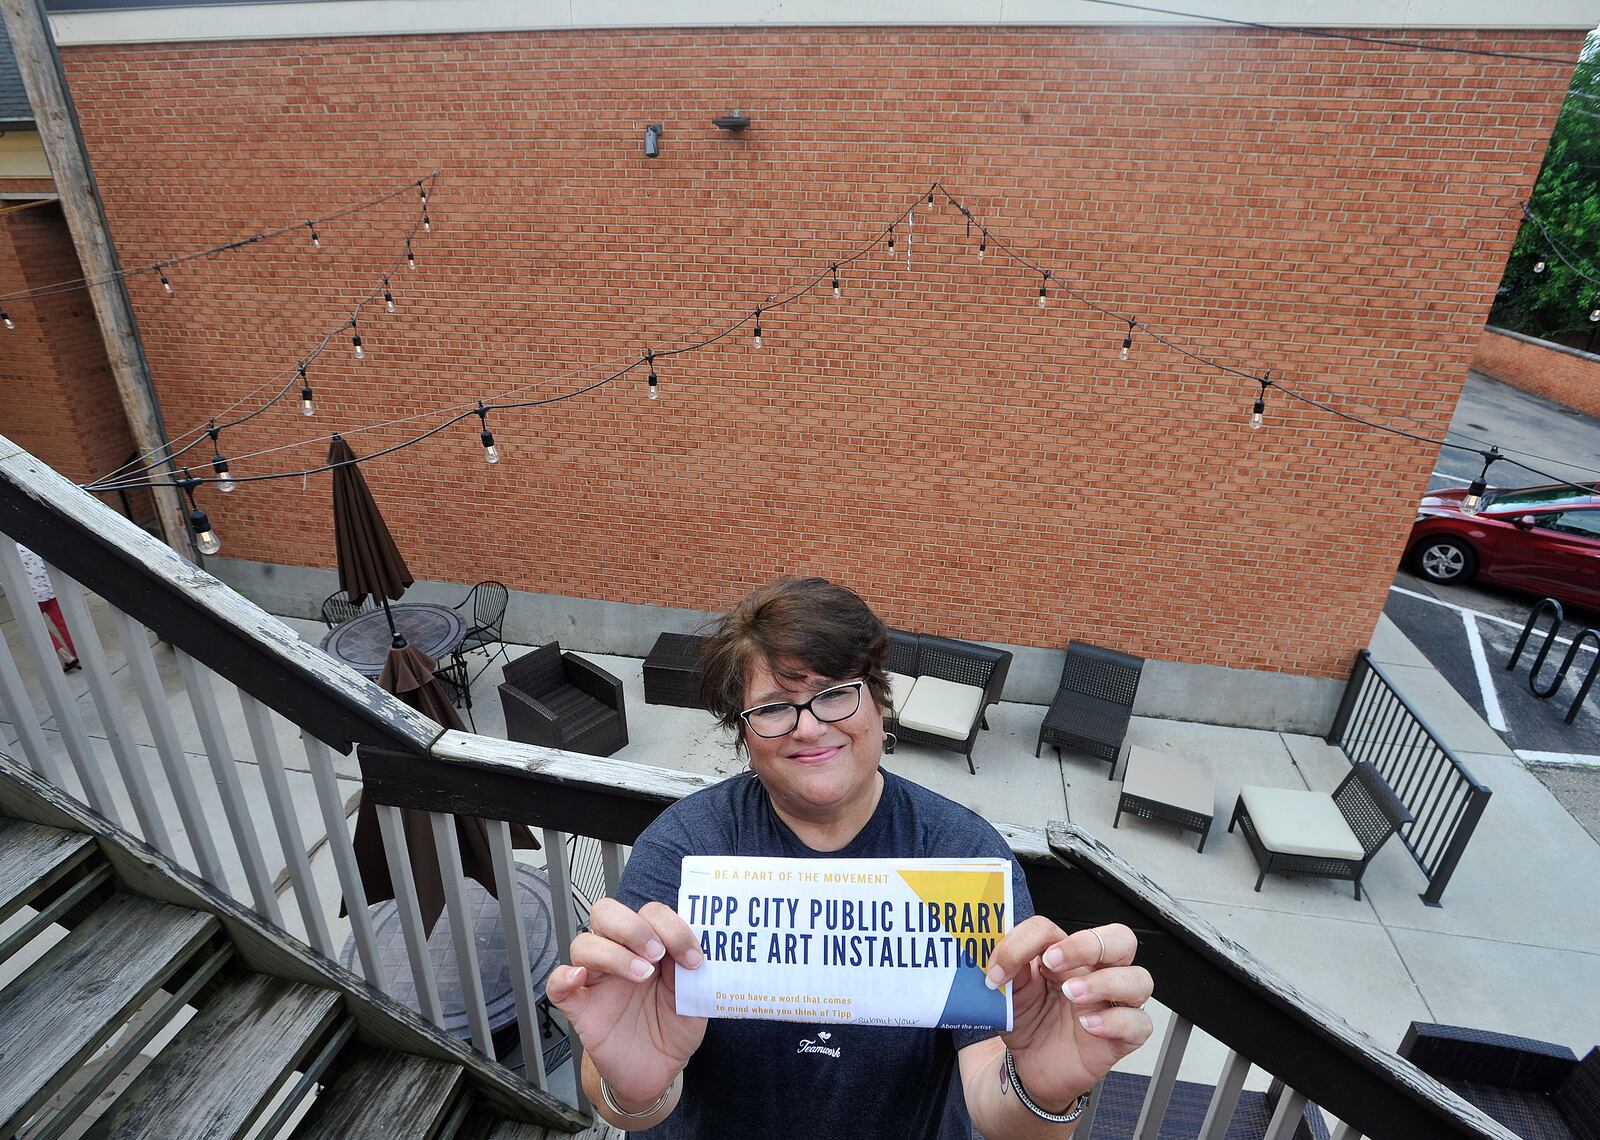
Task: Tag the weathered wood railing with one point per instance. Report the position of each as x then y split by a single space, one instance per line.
227 651
1375 722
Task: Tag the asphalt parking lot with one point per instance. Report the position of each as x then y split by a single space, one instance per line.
1468 632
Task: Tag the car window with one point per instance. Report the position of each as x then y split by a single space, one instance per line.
1585 523
1559 495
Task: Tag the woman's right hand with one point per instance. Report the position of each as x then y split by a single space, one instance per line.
620 994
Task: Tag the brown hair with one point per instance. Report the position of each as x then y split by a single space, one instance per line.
825 628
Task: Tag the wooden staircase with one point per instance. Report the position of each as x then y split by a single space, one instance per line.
169 1012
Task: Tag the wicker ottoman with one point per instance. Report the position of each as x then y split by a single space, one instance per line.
1169 789
672 671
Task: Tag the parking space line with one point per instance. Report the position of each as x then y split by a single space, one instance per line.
1480 665
1562 759
1587 648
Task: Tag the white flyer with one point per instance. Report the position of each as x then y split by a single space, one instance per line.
855 941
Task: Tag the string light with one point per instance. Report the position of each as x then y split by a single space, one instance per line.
491 453
891 241
427 222
1260 410
1474 496
1044 289
165 284
219 462
983 243
315 240
1127 341
205 539
930 199
411 258
5 317
835 282
307 407
654 385
388 297
758 328
355 341
422 189
1594 313
1539 266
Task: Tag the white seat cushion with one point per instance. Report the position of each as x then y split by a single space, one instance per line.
900 686
1293 822
942 707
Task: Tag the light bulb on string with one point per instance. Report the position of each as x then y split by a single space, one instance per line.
427 222
1258 413
422 189
1539 266
1594 314
1473 500
1044 290
315 240
219 462
758 329
983 245
205 539
307 408
891 241
491 453
1127 341
388 297
836 281
5 318
930 199
355 342
654 385
165 284
411 258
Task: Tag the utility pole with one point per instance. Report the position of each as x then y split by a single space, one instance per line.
57 120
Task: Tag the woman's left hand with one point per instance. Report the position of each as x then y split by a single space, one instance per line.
1077 1006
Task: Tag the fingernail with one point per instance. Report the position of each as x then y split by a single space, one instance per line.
693 959
1052 958
995 978
1076 988
641 968
1090 1022
579 975
654 951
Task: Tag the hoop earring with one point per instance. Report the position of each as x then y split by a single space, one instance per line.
889 741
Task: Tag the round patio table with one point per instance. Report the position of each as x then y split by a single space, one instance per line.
363 642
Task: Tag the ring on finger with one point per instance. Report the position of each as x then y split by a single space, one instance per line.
1102 956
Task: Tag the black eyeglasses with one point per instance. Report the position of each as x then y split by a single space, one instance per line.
781 717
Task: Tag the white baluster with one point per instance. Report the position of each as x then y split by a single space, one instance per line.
448 850
326 780
397 851
508 888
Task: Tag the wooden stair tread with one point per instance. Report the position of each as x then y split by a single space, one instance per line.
218 1074
67 1004
35 857
384 1093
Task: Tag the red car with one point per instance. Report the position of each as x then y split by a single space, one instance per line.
1545 540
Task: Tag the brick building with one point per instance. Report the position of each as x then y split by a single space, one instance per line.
1336 211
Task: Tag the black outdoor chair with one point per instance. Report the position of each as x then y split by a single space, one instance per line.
1296 832
1535 1088
337 608
485 608
1122 1097
559 700
457 685
1093 703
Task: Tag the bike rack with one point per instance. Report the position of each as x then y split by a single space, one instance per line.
1553 607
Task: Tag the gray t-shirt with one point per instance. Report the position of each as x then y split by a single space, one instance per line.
774 1079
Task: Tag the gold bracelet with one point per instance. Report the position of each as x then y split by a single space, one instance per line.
611 1101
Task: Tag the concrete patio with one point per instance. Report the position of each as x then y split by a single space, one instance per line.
1515 947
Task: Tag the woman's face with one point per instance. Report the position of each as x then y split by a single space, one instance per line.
817 770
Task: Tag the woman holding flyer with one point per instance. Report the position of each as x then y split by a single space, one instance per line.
796 670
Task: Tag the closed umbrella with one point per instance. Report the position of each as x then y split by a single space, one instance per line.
408 674
369 561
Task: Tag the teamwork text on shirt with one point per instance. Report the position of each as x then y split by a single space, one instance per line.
853 941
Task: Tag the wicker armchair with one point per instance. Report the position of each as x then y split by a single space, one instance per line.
1295 832
1093 703
1122 1097
1535 1088
337 608
560 700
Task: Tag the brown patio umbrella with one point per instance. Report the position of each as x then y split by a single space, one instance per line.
369 561
408 674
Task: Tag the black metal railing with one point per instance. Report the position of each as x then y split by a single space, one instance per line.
1376 723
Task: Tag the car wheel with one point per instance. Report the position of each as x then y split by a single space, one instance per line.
1447 561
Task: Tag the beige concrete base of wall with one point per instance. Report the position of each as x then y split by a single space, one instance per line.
1170 690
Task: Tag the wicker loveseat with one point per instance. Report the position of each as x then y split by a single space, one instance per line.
941 688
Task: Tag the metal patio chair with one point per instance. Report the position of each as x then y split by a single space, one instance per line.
485 610
337 608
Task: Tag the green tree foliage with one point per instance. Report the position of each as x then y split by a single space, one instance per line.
1556 303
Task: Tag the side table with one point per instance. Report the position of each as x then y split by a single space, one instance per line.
672 671
1167 788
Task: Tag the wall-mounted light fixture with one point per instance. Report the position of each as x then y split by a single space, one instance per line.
735 122
652 140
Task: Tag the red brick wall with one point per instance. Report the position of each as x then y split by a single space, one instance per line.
1565 376
978 467
60 399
